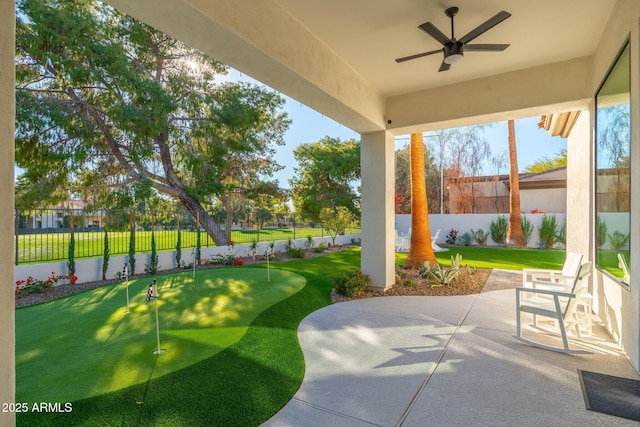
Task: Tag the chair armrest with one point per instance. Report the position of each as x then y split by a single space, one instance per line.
550 285
545 292
551 277
537 271
540 270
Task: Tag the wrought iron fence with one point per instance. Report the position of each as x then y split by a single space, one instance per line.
43 235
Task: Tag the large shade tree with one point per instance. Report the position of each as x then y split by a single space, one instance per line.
105 101
325 177
421 249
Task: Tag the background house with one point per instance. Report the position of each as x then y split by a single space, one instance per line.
539 192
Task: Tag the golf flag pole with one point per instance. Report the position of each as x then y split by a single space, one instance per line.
152 292
125 275
268 272
193 261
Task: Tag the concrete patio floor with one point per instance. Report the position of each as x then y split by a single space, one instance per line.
441 361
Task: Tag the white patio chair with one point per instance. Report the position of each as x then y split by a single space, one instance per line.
403 242
563 278
624 266
434 245
558 305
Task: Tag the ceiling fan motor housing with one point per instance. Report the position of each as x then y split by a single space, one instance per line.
453 52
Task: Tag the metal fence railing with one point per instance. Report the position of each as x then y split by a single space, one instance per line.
43 235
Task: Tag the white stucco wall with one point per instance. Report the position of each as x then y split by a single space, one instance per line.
617 306
466 222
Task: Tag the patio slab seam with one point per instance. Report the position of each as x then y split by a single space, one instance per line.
435 366
336 413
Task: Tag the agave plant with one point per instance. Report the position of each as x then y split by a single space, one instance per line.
441 276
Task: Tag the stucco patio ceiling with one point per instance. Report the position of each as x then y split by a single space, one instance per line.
370 34
337 56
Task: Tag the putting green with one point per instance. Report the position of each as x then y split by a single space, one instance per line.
86 344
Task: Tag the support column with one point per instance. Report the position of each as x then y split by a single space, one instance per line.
579 187
378 237
7 301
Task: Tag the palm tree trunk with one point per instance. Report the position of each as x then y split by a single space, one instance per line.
514 235
420 249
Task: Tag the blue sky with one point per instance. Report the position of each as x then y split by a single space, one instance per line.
310 126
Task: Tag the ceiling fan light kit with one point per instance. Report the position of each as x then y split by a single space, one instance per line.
453 49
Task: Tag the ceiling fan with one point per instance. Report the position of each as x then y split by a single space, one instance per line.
454 49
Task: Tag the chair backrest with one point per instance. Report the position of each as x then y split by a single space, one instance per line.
571 264
580 285
624 265
435 236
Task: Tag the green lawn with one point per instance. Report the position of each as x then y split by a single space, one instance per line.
608 260
503 258
244 384
66 349
199 317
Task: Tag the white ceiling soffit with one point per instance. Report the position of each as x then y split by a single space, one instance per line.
370 34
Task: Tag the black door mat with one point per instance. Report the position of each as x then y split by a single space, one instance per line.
611 395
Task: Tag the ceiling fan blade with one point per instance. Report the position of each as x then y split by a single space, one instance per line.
444 66
485 47
418 55
434 32
492 22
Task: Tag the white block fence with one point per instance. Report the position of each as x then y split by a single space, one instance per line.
90 269
466 222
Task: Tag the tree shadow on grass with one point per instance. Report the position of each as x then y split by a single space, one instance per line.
243 385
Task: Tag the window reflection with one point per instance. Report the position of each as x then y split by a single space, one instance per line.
613 144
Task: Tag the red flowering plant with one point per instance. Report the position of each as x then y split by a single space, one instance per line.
238 261
32 286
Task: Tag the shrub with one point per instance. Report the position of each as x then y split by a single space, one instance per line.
527 229
618 240
480 236
498 230
253 248
238 261
71 262
198 244
179 248
466 239
105 255
296 253
308 244
351 283
132 250
548 231
452 237
152 267
321 248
